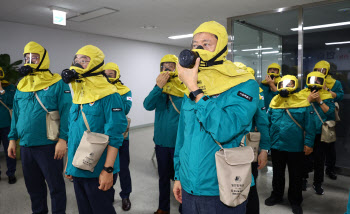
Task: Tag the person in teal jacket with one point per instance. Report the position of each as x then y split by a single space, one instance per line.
336 89
292 132
322 102
42 159
166 99
7 92
113 73
268 85
221 104
105 114
260 124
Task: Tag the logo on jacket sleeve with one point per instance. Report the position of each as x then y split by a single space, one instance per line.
129 98
116 109
245 96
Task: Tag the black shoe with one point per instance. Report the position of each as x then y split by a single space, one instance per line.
331 175
272 201
297 209
318 189
12 179
304 184
126 204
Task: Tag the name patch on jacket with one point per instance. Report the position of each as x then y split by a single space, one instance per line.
67 92
245 96
116 109
311 112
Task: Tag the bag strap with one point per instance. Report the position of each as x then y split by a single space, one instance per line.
171 100
240 144
313 106
42 105
5 105
296 122
84 117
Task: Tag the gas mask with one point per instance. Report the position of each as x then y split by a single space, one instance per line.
315 80
287 85
69 75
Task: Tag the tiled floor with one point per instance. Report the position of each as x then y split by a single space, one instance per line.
14 199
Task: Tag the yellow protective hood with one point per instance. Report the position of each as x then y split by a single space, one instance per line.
41 77
218 78
323 64
4 83
251 70
294 100
174 86
330 81
324 94
277 76
122 89
91 88
287 77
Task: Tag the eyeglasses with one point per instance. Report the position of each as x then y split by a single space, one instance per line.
80 61
34 58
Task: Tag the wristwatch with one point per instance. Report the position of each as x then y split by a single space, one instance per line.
2 91
321 102
108 169
195 93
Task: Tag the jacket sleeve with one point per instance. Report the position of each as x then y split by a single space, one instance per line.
64 99
179 144
116 122
127 99
152 99
262 124
13 135
330 114
338 89
227 122
310 127
8 96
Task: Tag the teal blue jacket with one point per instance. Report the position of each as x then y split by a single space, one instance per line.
348 210
329 115
261 122
104 116
166 117
268 94
338 89
29 118
127 100
226 118
287 136
6 98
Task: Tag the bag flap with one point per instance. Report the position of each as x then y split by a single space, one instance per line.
330 123
54 115
254 136
96 138
239 155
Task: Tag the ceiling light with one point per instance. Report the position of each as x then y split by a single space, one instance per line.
269 52
338 43
322 26
92 14
279 10
181 36
257 49
149 27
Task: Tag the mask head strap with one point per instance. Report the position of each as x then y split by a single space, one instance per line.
212 61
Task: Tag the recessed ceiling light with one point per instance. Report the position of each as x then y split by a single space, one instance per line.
338 43
323 26
181 36
93 14
344 10
149 27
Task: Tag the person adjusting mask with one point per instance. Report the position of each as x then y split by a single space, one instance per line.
7 93
113 73
269 84
336 89
220 104
40 120
323 108
166 99
292 133
97 115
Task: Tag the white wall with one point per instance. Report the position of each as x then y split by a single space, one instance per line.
138 61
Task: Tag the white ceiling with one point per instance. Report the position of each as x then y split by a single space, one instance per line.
171 17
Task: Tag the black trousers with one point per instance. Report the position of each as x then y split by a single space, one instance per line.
318 156
253 197
295 162
331 157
